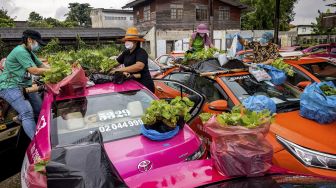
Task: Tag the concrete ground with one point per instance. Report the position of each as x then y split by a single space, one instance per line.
11 182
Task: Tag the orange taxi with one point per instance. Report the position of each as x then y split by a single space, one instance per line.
299 144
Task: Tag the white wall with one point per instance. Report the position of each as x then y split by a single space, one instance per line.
102 19
304 30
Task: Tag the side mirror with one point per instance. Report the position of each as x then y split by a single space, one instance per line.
219 105
303 84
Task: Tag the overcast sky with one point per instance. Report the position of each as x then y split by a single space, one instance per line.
306 10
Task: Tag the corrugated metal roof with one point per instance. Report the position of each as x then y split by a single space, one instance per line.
64 32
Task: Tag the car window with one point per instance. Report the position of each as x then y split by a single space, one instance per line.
119 118
319 48
285 96
324 71
206 87
184 78
297 77
333 50
152 66
163 60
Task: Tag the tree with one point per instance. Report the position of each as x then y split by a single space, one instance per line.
5 19
263 12
79 13
318 27
35 17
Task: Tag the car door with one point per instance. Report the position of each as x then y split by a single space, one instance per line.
320 51
179 89
168 90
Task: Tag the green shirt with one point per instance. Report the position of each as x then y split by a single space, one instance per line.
198 43
16 65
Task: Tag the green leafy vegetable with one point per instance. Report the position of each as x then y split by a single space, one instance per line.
200 55
240 116
168 113
59 70
205 117
328 90
281 65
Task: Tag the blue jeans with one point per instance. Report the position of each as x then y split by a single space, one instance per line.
15 98
36 102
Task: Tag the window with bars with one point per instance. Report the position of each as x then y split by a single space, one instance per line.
176 11
224 13
146 13
201 13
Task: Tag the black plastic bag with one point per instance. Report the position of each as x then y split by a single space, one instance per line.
117 78
83 164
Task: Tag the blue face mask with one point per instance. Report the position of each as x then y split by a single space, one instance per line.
35 47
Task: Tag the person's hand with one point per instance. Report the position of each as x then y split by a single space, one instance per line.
127 74
113 57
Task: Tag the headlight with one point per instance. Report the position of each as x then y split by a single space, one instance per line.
310 157
198 154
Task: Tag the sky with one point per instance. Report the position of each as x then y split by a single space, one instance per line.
306 10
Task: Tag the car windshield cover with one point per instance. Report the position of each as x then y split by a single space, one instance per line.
285 96
325 71
115 115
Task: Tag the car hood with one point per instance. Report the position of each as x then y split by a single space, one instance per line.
139 154
304 132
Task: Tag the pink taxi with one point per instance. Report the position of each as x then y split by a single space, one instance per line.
114 110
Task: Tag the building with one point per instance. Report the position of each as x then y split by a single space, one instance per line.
168 25
111 18
304 29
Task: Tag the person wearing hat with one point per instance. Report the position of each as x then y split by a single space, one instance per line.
20 64
264 50
200 38
135 58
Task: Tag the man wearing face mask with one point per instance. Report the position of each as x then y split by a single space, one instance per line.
200 38
135 59
20 63
264 50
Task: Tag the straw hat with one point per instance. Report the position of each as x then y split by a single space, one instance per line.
132 34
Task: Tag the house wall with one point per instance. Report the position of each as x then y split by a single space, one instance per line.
304 30
161 15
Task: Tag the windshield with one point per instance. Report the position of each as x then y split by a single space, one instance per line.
115 115
285 96
279 181
325 71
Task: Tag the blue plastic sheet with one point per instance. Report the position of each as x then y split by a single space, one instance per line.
315 105
278 77
157 136
259 103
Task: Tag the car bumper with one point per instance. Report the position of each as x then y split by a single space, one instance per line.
286 160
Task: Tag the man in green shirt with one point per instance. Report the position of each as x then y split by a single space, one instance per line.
19 66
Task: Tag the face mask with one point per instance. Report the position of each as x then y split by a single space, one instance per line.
129 45
35 47
202 34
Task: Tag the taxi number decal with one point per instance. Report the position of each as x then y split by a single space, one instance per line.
121 125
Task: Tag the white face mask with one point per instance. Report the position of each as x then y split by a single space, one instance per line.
35 46
129 45
202 34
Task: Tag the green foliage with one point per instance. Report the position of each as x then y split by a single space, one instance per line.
328 90
80 14
5 50
318 27
5 20
52 47
281 65
262 12
240 116
203 54
92 60
205 117
168 113
80 43
59 70
36 20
